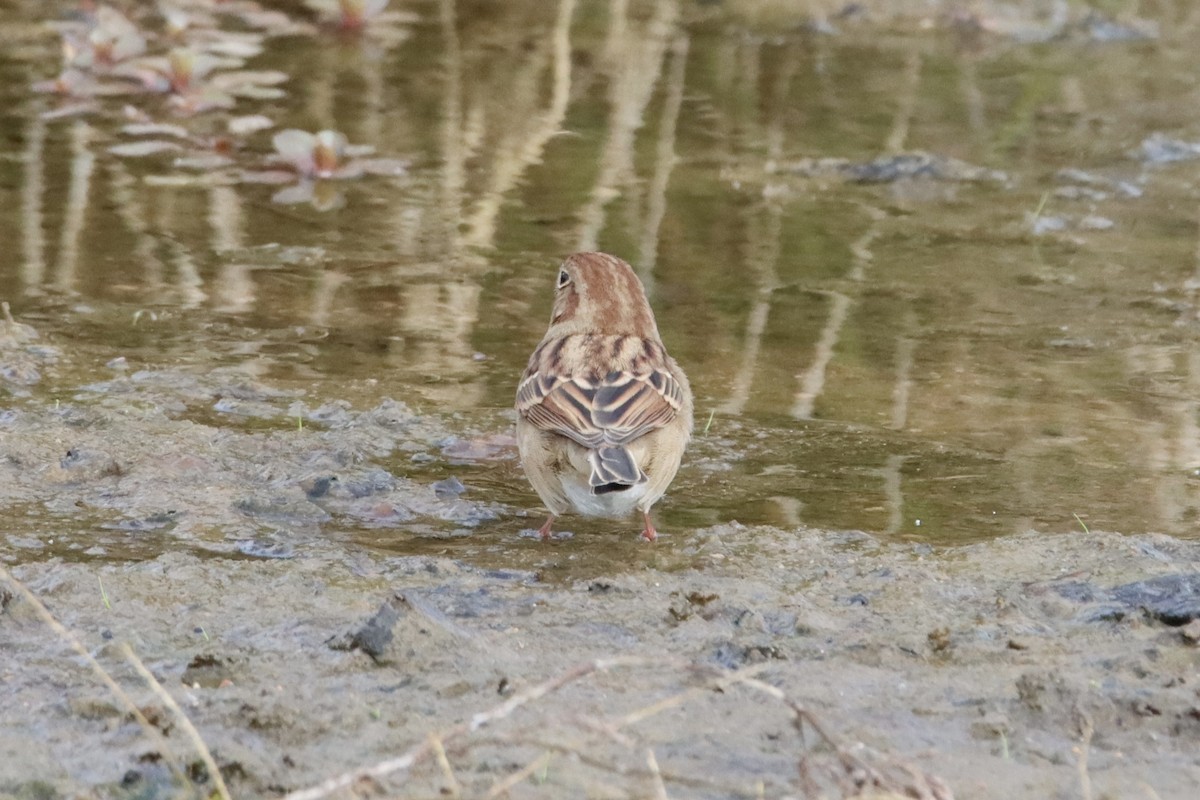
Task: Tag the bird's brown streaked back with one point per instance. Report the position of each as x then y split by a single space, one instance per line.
615 402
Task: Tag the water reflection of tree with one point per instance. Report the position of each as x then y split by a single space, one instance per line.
629 126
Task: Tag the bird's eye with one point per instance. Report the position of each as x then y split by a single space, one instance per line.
563 278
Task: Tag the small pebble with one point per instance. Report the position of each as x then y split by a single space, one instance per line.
450 487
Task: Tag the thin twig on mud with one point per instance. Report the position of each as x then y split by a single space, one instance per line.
849 772
124 699
856 773
801 714
512 780
660 788
1085 745
580 754
483 718
420 605
606 728
453 788
723 680
186 724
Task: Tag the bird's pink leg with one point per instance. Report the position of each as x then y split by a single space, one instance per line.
649 534
544 531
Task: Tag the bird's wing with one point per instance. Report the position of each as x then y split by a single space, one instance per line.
630 404
612 410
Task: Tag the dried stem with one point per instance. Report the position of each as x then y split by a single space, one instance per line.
660 788
581 754
1085 746
453 788
422 751
512 780
851 770
105 678
180 717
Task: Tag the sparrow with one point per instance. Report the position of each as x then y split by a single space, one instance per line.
603 413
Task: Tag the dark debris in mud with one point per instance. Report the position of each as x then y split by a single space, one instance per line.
374 636
1171 599
145 456
961 667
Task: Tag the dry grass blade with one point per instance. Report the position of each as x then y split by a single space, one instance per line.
186 724
453 788
853 773
581 753
496 713
119 693
850 771
721 681
1085 746
660 788
502 787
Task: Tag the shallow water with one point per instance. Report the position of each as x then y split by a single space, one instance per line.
933 277
987 347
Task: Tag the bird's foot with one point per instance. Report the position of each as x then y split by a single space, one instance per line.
649 533
544 531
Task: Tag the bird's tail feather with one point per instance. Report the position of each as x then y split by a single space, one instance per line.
613 470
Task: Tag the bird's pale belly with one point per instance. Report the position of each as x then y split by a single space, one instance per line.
612 504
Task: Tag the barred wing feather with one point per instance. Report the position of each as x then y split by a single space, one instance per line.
612 411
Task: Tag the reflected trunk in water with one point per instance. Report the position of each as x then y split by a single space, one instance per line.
876 348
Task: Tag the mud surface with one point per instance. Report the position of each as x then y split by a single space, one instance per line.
969 664
931 268
300 653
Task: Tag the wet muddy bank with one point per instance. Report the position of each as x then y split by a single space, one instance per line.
933 275
322 585
984 665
